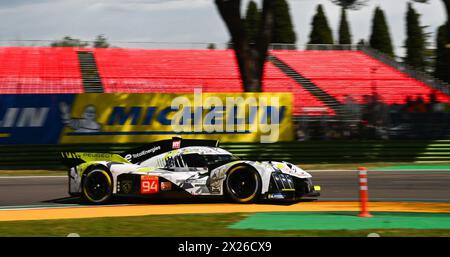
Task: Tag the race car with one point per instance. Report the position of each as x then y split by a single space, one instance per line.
184 167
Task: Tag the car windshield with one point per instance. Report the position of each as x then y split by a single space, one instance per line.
217 160
208 160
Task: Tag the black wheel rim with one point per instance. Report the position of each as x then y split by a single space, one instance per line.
243 184
97 186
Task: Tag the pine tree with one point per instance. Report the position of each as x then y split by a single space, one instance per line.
211 46
252 21
380 38
350 4
441 64
361 43
344 29
68 41
321 31
101 42
415 40
428 52
283 30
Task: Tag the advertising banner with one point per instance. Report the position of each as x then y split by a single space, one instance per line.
143 118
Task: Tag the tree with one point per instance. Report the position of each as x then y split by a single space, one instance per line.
447 11
361 43
428 52
67 41
444 50
447 36
441 70
283 30
380 38
251 58
345 36
252 20
350 4
344 29
415 40
101 42
211 46
321 31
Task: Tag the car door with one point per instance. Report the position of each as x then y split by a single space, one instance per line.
197 184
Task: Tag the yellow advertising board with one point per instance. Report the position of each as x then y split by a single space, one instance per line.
140 118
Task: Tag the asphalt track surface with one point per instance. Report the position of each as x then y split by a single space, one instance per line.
412 186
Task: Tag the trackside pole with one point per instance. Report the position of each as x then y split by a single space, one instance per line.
363 193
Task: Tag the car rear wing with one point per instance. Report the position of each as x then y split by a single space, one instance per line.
72 159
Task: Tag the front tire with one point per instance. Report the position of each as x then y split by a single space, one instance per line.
97 186
243 184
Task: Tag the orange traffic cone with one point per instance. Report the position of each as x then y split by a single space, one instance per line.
363 193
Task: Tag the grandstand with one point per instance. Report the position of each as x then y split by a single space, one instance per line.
32 70
356 74
325 74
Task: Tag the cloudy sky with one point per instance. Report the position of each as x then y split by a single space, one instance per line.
179 20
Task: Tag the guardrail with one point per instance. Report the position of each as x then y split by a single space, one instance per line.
47 156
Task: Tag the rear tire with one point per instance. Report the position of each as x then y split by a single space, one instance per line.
243 184
97 186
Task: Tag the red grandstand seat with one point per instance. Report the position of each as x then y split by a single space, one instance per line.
173 71
356 74
339 73
32 70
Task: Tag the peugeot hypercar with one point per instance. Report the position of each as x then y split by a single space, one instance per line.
185 167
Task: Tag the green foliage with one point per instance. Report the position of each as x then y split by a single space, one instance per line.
283 30
68 41
211 46
415 40
441 64
321 31
252 21
101 42
380 38
350 4
344 29
361 42
429 51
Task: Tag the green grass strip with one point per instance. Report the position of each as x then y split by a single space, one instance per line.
179 225
343 221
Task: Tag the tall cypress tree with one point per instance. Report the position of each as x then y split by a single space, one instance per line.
283 30
344 29
380 38
101 42
321 31
441 64
415 40
252 21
